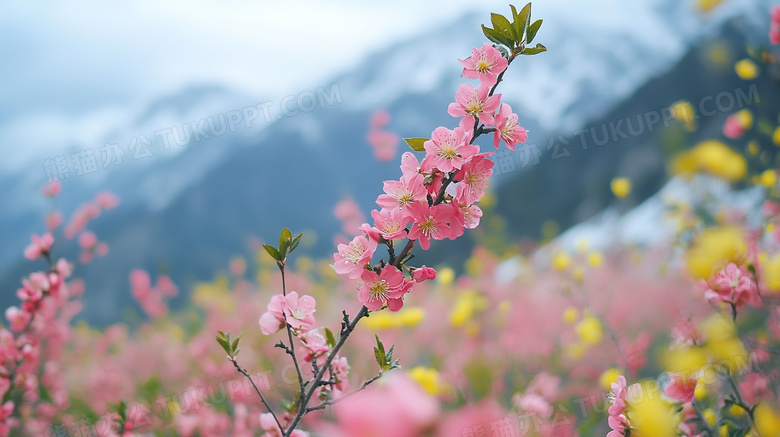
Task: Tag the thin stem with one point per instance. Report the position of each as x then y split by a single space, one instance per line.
331 402
325 366
741 402
262 398
291 350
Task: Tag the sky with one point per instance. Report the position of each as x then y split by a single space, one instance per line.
77 56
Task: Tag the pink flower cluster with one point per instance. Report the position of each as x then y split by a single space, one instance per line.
152 299
434 199
618 421
774 32
733 285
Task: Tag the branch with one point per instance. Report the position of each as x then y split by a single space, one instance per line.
262 398
316 381
331 402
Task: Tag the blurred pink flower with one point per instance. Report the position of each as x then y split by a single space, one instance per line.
39 246
733 285
679 388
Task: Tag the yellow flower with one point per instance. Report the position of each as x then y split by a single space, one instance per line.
589 330
608 377
767 419
621 187
713 157
708 5
744 118
411 317
683 111
685 360
445 276
714 247
467 305
595 259
561 261
651 414
427 378
570 314
771 271
746 69
768 178
776 136
710 416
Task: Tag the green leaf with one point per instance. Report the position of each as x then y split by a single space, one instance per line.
532 29
503 26
380 358
285 239
235 343
534 50
225 345
273 252
295 242
496 37
416 143
329 338
522 20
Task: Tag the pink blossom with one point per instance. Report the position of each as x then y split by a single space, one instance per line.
484 64
733 285
53 220
472 103
618 397
410 166
396 406
401 194
430 223
507 128
534 404
680 389
733 128
314 344
387 287
87 240
298 311
107 200
273 319
52 189
39 246
473 177
423 274
18 318
617 411
390 223
352 258
449 150
774 34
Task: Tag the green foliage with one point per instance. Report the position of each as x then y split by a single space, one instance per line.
384 359
513 37
416 143
230 346
287 244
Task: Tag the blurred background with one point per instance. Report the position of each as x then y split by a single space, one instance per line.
216 124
